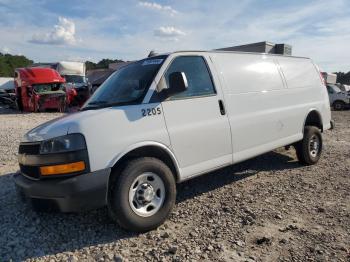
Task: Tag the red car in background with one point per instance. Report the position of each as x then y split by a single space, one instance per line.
39 89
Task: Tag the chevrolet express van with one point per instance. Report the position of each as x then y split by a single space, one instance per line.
165 119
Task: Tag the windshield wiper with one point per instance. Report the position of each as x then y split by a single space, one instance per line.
101 102
104 105
97 105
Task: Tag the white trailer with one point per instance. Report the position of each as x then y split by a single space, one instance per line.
75 75
71 68
329 78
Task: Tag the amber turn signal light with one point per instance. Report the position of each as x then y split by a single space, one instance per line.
62 169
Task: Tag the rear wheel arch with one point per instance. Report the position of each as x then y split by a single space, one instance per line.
313 118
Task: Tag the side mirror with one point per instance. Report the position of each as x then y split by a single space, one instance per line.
177 83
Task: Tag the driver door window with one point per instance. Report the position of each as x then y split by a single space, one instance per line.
197 74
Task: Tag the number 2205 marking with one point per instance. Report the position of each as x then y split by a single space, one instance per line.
151 111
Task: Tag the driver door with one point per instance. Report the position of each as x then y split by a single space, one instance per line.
196 120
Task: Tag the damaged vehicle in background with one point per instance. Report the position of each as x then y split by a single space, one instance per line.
74 74
38 89
7 92
338 99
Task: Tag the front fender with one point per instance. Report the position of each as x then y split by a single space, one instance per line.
130 148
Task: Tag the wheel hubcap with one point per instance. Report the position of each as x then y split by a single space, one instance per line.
146 194
314 146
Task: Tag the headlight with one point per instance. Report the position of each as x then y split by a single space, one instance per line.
72 142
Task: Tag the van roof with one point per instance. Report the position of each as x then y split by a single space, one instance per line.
235 52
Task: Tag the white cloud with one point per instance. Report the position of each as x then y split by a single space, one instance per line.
5 50
155 6
130 31
62 34
169 32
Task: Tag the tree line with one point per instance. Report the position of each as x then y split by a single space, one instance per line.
8 64
343 78
104 63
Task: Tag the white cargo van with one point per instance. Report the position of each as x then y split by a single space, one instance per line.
165 119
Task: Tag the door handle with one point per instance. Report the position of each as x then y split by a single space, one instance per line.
222 107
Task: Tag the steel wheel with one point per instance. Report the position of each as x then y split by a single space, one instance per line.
314 145
146 194
309 149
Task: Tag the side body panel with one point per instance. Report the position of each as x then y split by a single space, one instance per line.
256 103
305 90
265 110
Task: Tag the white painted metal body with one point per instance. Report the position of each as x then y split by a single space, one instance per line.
267 99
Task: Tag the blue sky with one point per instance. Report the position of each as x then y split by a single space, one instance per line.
51 30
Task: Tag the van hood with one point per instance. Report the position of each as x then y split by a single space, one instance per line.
57 127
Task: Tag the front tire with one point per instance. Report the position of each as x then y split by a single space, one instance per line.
309 149
142 195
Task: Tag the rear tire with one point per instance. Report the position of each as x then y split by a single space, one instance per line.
338 105
309 149
142 195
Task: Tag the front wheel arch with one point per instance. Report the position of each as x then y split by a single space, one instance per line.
148 149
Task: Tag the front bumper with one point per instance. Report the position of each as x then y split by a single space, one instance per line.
72 194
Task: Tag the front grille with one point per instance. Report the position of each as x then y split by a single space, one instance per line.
31 171
29 148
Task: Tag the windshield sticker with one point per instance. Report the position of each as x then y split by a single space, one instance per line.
152 62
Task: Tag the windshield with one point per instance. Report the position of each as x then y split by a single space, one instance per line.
42 88
335 88
128 85
75 79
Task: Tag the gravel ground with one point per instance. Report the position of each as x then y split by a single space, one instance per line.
269 208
